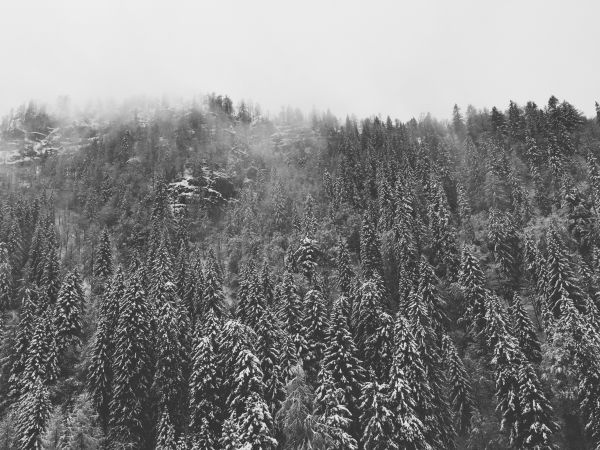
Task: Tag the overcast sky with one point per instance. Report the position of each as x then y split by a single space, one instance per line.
397 58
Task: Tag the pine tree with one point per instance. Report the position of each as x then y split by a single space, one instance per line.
559 277
104 266
506 359
100 376
370 253
410 431
81 430
165 439
535 425
290 312
69 313
472 281
314 328
342 366
334 416
306 258
213 298
204 395
366 317
6 279
460 386
345 274
377 418
525 332
42 352
132 366
23 337
33 414
249 415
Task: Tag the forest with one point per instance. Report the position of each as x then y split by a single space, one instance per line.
199 275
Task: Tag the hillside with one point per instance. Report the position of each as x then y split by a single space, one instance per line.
201 276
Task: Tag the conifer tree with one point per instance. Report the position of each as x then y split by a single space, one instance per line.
305 258
535 425
472 281
213 298
342 366
23 337
104 265
525 332
460 386
204 395
334 416
370 253
314 328
100 376
132 366
366 317
165 439
290 312
33 413
345 275
69 313
42 352
377 417
6 279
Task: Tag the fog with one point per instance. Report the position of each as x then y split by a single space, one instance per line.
354 57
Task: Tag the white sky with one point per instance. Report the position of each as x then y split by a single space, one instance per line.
401 58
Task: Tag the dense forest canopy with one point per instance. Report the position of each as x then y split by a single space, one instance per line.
203 276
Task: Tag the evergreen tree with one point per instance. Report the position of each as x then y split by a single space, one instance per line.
377 418
314 328
6 279
525 332
535 425
370 253
165 439
472 281
69 313
345 274
306 258
204 395
334 418
132 367
341 365
460 386
104 265
366 318
213 298
33 414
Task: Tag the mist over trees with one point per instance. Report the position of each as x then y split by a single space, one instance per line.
203 276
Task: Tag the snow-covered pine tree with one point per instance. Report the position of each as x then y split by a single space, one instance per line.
460 386
409 429
23 337
103 269
290 312
132 366
559 276
165 438
505 360
315 322
535 423
213 298
368 308
68 313
305 258
525 331
345 275
335 419
248 413
377 418
6 279
33 411
205 404
342 366
472 280
370 253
